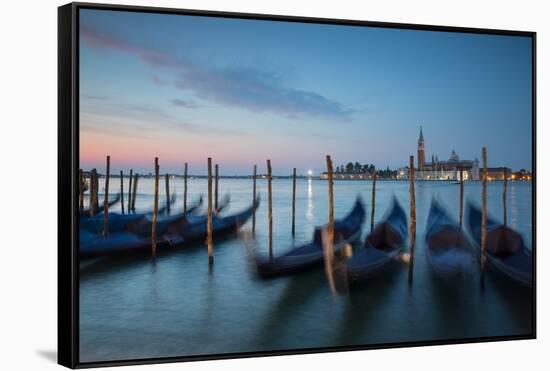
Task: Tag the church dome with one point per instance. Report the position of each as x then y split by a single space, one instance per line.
454 156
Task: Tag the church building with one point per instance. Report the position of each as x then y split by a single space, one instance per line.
444 169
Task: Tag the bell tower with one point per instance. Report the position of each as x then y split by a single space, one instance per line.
421 153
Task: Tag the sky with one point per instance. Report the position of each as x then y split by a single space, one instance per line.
185 88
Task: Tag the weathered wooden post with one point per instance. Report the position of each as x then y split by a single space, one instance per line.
483 214
329 239
270 210
461 206
122 192
412 230
167 183
216 188
96 190
155 210
136 177
330 204
106 201
254 201
373 201
81 184
504 189
130 191
93 194
209 223
185 189
294 202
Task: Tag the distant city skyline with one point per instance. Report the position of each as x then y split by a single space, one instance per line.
185 88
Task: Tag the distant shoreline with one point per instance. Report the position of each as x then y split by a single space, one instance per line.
300 177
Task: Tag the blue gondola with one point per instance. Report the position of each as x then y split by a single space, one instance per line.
101 206
120 243
448 251
193 228
171 231
383 246
223 204
121 222
346 230
506 251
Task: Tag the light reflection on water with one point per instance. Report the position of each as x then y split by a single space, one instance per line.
309 213
176 306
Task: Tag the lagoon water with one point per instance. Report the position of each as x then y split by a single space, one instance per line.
177 306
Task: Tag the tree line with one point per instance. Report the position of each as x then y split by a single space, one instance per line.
357 168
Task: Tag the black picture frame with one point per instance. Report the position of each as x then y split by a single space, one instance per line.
68 165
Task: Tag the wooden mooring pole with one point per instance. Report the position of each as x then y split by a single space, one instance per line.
461 205
270 209
136 177
504 190
293 202
106 200
216 188
412 229
209 222
167 183
373 201
483 214
130 191
81 184
122 192
329 239
96 190
185 189
254 201
155 210
93 192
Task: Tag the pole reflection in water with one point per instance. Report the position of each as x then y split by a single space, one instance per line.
513 210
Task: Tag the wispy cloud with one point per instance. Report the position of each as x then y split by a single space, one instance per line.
207 129
94 97
184 103
135 120
259 91
250 89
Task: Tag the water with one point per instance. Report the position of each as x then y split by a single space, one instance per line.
176 306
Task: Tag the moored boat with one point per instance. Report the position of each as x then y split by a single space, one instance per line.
346 230
101 207
506 250
193 228
448 251
120 222
171 230
223 204
383 246
119 243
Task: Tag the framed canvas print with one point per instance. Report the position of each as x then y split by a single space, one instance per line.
236 185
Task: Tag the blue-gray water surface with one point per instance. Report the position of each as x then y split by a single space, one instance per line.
175 305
